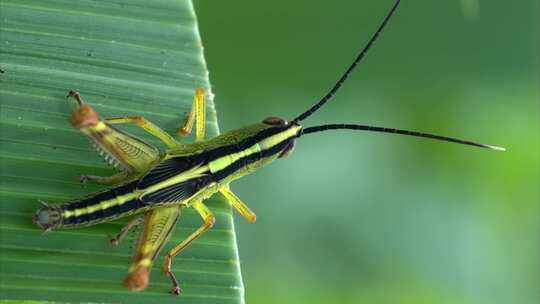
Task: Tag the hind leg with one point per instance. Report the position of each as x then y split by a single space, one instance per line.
120 148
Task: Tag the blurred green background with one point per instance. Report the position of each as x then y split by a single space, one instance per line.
369 218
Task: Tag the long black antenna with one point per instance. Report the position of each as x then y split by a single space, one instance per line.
345 75
395 131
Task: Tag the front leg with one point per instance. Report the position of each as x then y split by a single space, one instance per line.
242 208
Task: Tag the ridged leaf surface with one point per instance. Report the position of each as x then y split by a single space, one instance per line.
126 58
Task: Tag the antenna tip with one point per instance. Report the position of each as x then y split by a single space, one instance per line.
496 148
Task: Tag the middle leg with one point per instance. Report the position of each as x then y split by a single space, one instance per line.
238 204
209 220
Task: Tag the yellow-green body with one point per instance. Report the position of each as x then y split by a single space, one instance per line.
148 179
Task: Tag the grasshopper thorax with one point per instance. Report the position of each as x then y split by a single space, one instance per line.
282 123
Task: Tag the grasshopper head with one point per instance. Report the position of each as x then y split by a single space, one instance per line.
285 125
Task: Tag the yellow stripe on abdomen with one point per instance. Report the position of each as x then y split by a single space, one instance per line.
119 200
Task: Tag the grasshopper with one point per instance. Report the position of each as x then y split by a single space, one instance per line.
158 184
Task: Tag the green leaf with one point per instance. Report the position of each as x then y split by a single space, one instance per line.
126 57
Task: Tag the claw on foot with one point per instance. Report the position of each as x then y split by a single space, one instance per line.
183 131
83 179
176 290
114 241
76 95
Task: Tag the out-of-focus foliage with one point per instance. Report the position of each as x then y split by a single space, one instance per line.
366 218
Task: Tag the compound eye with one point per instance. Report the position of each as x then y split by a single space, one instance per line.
276 121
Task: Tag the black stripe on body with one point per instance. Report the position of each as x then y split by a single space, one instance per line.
178 192
176 165
186 189
112 212
169 168
245 161
243 144
96 198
